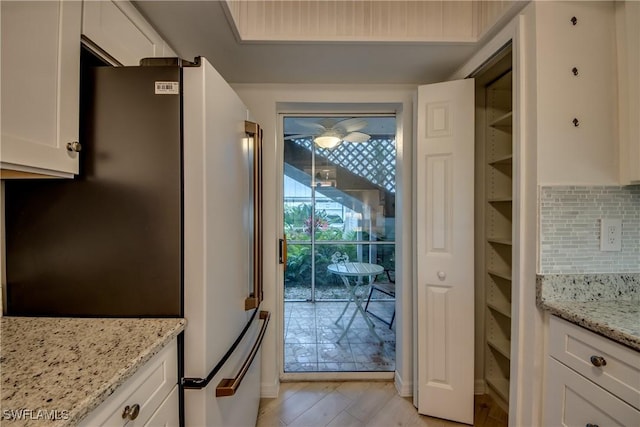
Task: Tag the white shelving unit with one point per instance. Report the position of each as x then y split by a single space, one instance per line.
498 192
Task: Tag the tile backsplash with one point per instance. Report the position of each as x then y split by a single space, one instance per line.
570 229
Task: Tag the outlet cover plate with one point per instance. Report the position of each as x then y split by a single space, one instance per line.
610 235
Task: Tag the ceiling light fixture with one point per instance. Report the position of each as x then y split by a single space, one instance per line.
328 139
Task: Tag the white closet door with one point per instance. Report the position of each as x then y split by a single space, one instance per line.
444 252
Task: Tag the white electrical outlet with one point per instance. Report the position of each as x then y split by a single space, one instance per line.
610 235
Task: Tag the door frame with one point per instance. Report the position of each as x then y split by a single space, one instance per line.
527 343
332 109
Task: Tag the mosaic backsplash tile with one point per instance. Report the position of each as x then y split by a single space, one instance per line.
570 229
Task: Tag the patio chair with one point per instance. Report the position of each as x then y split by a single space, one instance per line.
387 288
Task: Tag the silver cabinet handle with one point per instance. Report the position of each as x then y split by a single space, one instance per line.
598 361
131 412
74 146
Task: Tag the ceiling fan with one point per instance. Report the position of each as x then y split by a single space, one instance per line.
329 133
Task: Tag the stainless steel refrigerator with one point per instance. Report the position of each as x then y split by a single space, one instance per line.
162 221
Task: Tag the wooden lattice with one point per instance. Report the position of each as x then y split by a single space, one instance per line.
374 160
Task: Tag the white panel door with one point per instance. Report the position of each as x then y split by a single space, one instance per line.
444 251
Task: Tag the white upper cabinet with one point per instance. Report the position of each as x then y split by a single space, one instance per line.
118 29
576 94
41 75
628 39
40 86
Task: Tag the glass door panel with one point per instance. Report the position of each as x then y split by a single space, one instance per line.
338 200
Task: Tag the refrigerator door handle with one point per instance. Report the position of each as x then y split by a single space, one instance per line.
254 133
193 383
229 386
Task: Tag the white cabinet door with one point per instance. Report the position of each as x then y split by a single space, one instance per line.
120 30
444 255
572 400
628 40
40 85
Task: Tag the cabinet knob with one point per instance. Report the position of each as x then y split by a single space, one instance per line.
598 361
74 146
131 412
442 275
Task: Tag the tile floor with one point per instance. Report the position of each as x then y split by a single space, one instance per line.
311 338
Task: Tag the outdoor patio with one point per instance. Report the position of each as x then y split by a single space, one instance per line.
311 338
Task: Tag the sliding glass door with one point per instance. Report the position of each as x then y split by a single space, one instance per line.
337 200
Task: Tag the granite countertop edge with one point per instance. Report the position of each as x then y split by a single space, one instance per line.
614 333
607 304
49 352
111 385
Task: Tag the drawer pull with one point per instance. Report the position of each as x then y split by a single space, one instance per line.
599 362
591 425
131 412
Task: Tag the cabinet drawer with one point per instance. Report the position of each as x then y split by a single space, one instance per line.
147 388
574 346
571 400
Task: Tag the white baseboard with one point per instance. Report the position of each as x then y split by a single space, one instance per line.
270 390
479 387
405 389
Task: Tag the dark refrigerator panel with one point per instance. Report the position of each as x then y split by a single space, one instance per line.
107 243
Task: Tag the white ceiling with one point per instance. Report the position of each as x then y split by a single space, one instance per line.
201 28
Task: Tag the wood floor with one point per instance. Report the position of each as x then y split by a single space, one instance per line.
310 404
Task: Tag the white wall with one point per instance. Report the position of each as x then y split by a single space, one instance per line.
265 102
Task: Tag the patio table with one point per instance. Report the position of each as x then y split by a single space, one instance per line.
356 270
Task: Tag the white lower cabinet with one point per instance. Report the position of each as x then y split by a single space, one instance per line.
148 398
572 400
591 381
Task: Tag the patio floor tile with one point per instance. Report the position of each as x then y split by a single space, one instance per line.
311 338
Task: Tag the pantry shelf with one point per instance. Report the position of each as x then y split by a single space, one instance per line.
503 310
500 200
501 274
503 241
496 205
500 386
503 122
502 347
502 160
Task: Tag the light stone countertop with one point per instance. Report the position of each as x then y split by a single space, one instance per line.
64 368
608 304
